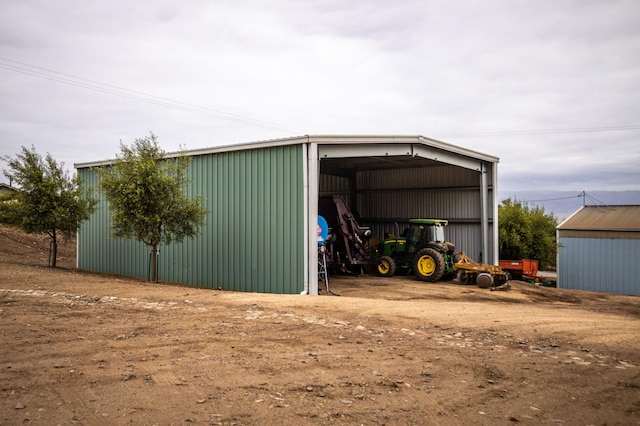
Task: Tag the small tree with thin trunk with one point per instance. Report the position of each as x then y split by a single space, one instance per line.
48 199
144 190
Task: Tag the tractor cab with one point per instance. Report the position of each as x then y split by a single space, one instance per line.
424 231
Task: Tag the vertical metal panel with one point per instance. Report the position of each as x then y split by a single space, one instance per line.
452 204
252 239
334 185
596 264
467 238
422 177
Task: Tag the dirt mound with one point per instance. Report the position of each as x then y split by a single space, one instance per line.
33 249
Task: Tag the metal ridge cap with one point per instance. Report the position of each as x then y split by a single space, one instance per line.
362 138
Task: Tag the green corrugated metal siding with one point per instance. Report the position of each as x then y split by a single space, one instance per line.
252 238
98 251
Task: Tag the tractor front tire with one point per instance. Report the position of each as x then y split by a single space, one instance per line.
463 278
387 267
484 280
428 265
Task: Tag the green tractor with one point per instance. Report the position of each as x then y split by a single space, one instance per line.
422 249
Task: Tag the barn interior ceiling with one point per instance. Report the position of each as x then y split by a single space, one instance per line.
347 166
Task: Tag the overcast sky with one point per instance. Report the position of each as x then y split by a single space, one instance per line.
550 87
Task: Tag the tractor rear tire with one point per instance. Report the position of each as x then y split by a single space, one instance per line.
387 267
428 265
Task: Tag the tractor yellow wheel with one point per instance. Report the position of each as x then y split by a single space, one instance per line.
386 267
428 265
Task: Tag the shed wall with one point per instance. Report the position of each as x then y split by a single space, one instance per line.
252 238
598 264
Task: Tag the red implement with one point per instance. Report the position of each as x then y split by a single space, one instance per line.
520 268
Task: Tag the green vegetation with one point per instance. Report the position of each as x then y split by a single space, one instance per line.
48 200
145 195
527 233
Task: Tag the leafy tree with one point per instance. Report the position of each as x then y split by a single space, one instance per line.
526 233
8 215
144 190
48 199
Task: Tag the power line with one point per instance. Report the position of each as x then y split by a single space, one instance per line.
143 97
72 80
539 132
554 199
593 199
584 195
84 83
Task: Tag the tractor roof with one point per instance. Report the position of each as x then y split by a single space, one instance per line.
429 221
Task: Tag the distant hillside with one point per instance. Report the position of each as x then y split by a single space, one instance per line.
564 203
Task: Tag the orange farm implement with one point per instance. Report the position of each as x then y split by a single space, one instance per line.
523 268
527 270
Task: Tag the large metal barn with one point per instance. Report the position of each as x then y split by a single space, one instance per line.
261 231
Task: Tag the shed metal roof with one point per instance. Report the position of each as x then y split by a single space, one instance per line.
7 189
437 150
604 218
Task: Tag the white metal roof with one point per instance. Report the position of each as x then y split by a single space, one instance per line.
416 145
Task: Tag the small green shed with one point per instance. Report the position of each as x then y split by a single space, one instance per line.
261 231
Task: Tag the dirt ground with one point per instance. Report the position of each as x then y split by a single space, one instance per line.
81 348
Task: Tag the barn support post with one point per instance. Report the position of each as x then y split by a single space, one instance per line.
305 218
313 173
484 217
494 214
